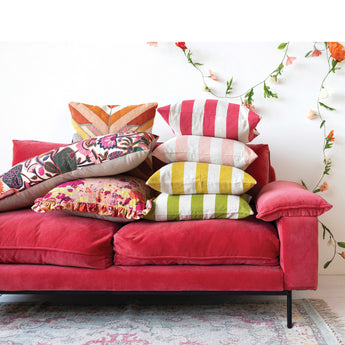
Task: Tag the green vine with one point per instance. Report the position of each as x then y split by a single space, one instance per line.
328 140
248 95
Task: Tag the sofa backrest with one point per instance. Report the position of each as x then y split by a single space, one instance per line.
260 169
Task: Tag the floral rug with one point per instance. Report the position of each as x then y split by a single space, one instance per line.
133 324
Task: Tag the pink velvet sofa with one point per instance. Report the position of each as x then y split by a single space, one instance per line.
57 252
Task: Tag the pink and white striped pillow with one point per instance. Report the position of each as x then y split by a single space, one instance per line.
212 118
195 148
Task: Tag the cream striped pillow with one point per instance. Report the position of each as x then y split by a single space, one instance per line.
195 148
200 178
199 206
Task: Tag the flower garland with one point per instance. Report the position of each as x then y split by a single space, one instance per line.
248 100
335 53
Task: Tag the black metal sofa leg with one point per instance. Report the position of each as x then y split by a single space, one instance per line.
289 308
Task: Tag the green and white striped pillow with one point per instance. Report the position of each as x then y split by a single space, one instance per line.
199 206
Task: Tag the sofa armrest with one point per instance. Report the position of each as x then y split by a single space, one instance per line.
288 199
299 252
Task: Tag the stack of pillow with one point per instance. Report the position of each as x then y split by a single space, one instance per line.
204 176
84 178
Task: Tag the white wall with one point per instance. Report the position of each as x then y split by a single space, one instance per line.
38 80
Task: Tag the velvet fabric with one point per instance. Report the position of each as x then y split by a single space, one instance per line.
283 198
141 278
24 149
56 239
299 252
260 168
197 242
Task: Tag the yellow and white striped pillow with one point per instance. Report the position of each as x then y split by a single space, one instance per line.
200 178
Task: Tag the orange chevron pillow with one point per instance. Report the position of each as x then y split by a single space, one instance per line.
92 120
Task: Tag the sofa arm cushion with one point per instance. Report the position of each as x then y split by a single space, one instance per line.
288 199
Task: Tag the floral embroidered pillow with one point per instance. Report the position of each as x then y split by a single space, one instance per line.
99 156
119 198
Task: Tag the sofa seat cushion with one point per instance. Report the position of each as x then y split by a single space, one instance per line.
55 238
197 242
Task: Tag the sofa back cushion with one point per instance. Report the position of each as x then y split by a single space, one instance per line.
261 169
55 239
194 242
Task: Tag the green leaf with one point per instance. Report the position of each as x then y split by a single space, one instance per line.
282 45
334 63
316 190
278 70
328 166
304 185
322 123
228 86
328 145
327 264
341 244
249 96
268 93
326 106
309 52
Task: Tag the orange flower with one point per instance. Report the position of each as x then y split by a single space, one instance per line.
330 136
152 44
337 51
342 255
324 187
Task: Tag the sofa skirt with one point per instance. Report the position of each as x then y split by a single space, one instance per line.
20 277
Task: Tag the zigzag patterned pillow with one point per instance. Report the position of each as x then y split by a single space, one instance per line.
93 120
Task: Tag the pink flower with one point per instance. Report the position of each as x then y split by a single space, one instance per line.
212 75
152 44
290 60
311 114
316 52
249 106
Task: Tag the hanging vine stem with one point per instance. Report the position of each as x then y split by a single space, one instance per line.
328 140
248 101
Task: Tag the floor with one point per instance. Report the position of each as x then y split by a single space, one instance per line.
331 289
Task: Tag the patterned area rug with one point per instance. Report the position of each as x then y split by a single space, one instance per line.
133 324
